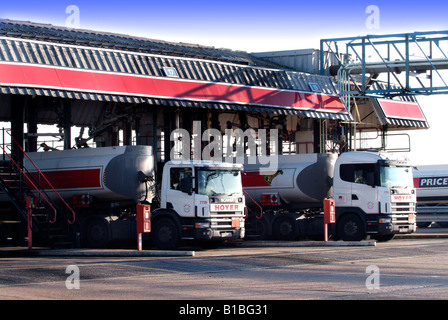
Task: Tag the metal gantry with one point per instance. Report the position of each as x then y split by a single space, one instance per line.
388 65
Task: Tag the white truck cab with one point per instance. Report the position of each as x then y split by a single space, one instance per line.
374 194
200 200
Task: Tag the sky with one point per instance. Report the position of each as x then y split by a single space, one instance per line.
256 26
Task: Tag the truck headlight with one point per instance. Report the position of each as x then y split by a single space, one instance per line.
384 220
199 225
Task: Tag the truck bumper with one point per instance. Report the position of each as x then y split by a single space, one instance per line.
218 234
394 224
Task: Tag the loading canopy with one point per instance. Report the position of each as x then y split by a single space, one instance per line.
41 79
399 113
60 62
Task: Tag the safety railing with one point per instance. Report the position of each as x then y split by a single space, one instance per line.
28 177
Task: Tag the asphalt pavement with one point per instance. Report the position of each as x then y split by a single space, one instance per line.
422 233
397 269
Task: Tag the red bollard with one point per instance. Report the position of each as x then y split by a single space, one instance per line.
143 221
329 215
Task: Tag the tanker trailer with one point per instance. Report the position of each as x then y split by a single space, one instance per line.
431 183
373 194
106 184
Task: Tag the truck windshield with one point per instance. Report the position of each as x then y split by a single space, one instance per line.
219 182
394 177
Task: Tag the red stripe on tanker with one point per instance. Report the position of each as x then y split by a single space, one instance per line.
70 179
109 173
431 182
301 180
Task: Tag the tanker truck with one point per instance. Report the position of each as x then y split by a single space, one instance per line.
431 183
373 194
194 200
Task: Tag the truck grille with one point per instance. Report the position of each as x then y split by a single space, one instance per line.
223 220
400 219
403 207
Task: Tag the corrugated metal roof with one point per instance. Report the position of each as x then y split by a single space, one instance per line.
51 33
108 53
407 123
52 54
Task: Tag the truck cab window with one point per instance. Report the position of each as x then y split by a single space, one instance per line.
219 182
396 176
176 176
358 173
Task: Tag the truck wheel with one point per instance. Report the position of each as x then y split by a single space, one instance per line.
165 234
97 233
351 228
257 228
285 228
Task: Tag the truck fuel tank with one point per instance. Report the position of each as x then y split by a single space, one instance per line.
300 181
109 173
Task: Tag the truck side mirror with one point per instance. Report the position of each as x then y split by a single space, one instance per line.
186 185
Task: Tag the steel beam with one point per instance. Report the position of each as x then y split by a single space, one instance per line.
399 56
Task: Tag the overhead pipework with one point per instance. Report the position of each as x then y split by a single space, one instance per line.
388 66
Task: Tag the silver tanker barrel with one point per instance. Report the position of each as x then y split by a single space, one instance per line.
300 181
431 183
108 173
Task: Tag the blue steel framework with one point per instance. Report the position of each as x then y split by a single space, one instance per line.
409 64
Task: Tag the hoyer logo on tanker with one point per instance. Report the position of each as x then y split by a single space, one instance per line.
402 198
226 207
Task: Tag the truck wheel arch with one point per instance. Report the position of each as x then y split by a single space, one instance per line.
351 226
261 226
285 227
96 232
170 220
165 213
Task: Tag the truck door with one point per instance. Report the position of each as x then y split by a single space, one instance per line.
342 186
180 194
364 191
357 187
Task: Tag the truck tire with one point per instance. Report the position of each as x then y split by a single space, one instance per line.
166 234
97 233
262 227
351 228
258 228
285 228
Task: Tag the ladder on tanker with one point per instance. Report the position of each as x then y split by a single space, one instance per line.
17 186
